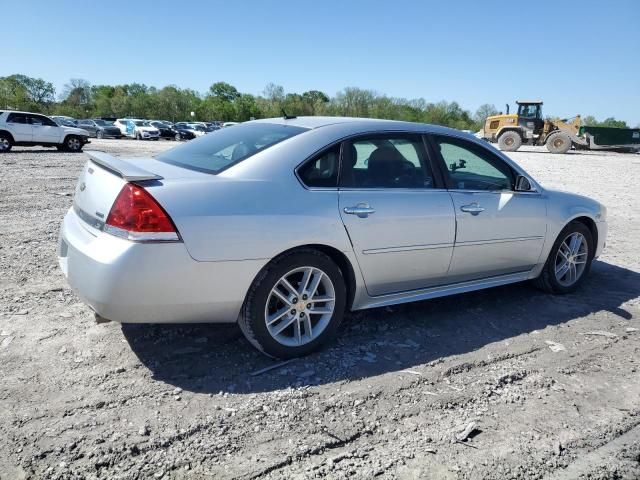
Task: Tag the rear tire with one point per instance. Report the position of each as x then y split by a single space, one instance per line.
509 141
297 315
6 142
558 143
99 134
549 280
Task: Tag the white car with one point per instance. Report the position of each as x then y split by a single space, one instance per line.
29 129
121 123
141 130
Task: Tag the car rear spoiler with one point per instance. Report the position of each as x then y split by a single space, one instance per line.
120 167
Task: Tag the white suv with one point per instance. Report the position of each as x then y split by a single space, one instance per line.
136 128
29 129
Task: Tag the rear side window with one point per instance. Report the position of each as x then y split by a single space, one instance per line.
17 118
222 149
322 171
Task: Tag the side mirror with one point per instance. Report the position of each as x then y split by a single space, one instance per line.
523 184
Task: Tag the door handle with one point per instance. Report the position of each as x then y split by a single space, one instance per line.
472 208
362 210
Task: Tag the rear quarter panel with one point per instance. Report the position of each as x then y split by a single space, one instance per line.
224 219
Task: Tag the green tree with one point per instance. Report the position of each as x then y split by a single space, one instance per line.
224 91
484 111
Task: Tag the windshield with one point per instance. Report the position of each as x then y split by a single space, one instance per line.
221 149
139 123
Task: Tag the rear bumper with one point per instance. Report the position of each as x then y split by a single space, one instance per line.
132 282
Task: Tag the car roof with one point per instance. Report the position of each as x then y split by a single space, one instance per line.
364 123
28 113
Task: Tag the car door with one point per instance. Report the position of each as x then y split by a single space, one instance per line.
498 230
400 220
20 127
45 130
89 126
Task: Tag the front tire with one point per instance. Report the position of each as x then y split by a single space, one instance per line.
6 142
509 141
295 304
72 144
569 261
558 143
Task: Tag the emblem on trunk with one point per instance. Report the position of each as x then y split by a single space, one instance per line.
82 187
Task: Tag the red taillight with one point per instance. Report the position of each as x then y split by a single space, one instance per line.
137 216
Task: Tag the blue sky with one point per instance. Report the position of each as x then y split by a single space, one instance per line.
579 57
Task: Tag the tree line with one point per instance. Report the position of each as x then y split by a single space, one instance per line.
222 101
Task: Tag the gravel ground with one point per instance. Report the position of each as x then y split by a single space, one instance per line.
387 399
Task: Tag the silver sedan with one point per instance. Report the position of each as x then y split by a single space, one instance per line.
284 224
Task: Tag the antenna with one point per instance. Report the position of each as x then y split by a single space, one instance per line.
287 117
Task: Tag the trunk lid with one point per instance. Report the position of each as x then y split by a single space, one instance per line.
100 182
104 175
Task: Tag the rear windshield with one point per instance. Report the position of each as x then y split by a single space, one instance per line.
221 149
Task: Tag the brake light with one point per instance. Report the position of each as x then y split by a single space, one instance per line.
136 215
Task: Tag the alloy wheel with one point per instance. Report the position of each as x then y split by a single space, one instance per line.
300 306
73 144
571 259
4 144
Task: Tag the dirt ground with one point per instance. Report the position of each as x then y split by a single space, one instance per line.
551 383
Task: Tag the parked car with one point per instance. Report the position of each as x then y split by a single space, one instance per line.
121 123
64 121
166 130
229 124
283 224
196 129
184 133
30 129
100 128
141 130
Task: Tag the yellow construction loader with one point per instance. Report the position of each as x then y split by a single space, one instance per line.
528 127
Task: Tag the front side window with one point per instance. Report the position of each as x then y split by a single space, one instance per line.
386 161
222 149
472 167
322 171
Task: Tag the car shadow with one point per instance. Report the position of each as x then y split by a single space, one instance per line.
213 358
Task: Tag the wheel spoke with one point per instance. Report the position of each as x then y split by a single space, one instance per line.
288 286
298 332
576 241
315 283
304 283
277 316
562 270
320 299
277 293
321 310
308 328
284 324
